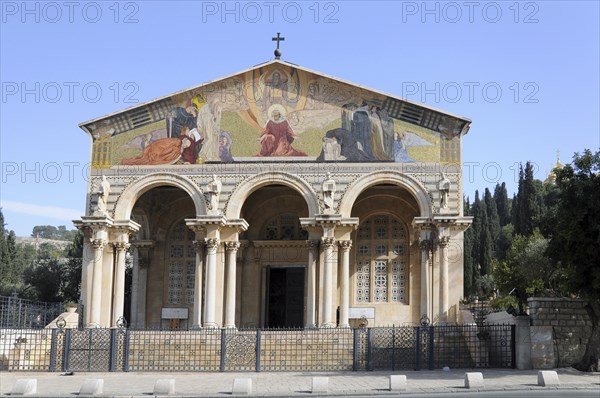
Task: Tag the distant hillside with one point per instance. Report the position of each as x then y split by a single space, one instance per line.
32 241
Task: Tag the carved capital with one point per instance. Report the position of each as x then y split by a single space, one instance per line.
345 245
425 244
232 246
443 241
312 244
121 246
212 244
97 243
328 242
198 245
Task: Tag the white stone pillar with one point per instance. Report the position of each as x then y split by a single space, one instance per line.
311 299
231 248
443 243
327 319
345 245
212 244
425 245
197 311
135 277
119 289
96 301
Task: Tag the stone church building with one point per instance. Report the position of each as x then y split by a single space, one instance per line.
274 197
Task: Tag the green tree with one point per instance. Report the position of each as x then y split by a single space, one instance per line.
468 286
576 240
493 220
72 284
527 270
502 204
527 206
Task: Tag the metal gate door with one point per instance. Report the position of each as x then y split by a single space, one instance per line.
88 350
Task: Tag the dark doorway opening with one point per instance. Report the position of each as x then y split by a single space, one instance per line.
285 298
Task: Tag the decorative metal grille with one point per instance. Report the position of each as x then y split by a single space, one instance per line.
20 313
181 265
306 350
363 276
382 242
210 350
284 227
167 351
240 352
88 350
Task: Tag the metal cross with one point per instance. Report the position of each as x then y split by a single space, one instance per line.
277 50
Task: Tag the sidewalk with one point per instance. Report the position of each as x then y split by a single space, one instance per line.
292 384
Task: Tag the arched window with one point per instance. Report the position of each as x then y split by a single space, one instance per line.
285 226
381 260
181 265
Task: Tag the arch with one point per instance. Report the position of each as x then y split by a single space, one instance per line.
414 187
133 192
247 187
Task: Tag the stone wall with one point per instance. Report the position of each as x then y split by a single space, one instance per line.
569 324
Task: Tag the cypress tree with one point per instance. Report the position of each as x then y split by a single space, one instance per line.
528 200
468 255
502 204
493 220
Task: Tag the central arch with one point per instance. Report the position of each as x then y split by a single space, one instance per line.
247 187
414 187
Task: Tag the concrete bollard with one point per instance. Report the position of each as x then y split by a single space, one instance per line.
473 380
320 385
397 382
24 387
242 386
92 387
548 378
164 387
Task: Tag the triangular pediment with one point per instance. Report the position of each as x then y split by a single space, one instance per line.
276 111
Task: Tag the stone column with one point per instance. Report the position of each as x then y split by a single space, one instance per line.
345 245
327 318
231 248
197 310
119 289
96 301
443 243
311 299
212 244
425 245
144 249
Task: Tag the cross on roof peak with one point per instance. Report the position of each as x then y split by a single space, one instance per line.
277 50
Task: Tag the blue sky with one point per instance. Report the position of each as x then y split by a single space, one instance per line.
526 73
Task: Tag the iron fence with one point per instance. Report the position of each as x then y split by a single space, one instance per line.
18 313
211 350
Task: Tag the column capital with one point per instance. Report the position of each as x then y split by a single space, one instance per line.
443 241
98 243
121 246
328 241
312 244
425 244
198 245
212 243
345 245
232 246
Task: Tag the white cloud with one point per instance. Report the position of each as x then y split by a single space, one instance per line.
59 213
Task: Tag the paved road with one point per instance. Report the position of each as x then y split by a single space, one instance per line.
299 384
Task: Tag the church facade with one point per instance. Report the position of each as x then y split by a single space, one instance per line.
274 197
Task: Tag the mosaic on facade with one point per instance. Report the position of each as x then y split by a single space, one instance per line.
274 112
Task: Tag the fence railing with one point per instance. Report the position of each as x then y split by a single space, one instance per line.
211 350
27 314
